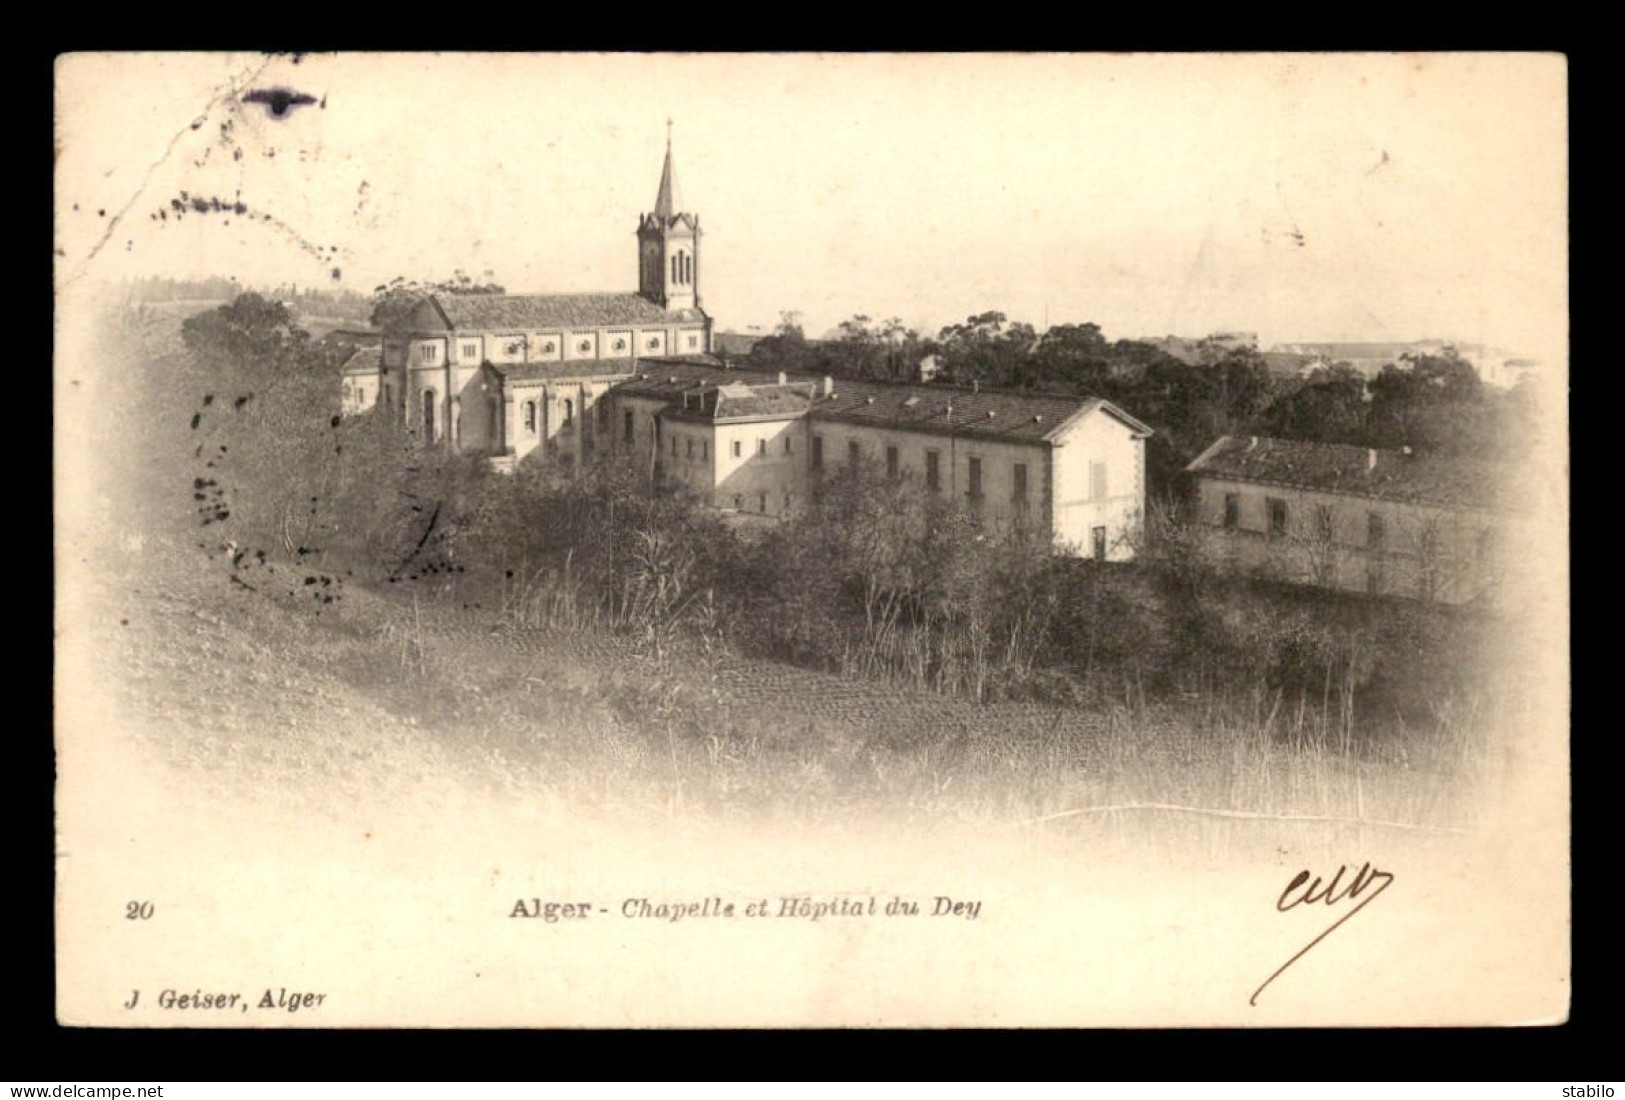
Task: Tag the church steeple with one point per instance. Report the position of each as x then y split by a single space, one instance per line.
667 203
669 245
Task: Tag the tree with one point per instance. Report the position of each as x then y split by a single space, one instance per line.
789 325
249 333
1244 389
875 349
988 348
1073 359
1426 401
1330 406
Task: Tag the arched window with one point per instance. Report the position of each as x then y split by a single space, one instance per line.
688 268
674 274
428 415
530 416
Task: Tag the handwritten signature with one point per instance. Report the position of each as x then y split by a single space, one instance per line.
1367 881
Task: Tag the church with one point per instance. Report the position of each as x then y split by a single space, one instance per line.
506 374
568 378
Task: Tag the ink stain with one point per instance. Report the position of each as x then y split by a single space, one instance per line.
279 102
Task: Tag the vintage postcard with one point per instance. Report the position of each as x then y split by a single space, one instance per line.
788 540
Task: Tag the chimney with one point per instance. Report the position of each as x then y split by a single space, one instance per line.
1370 459
1407 450
828 386
976 385
784 379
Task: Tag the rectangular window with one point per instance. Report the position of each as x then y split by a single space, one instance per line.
1097 539
629 427
817 450
674 446
891 462
1325 523
705 448
933 471
1232 511
788 449
853 452
1018 483
1376 532
739 449
761 448
1276 508
789 501
1097 481
1427 561
761 503
974 476
471 351
690 449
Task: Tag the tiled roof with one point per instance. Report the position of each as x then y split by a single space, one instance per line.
569 368
943 409
365 360
485 312
741 401
670 376
355 335
933 408
736 343
1358 471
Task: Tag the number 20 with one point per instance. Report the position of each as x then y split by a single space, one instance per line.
138 910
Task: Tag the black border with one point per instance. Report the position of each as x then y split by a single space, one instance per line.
52 1053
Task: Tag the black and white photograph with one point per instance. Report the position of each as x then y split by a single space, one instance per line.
802 540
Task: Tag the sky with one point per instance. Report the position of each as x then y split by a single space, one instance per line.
1300 197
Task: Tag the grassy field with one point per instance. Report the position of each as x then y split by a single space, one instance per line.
324 702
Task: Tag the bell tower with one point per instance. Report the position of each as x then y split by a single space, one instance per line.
669 246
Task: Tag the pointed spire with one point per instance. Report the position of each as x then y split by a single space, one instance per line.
667 202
